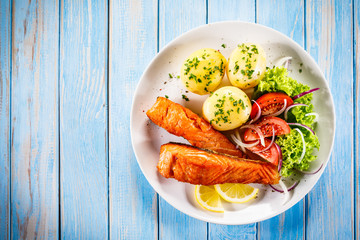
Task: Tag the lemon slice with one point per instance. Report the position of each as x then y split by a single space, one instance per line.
208 198
236 192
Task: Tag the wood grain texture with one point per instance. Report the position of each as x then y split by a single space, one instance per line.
284 16
231 11
5 43
356 44
217 231
221 11
175 18
34 146
103 194
329 40
290 21
133 43
83 120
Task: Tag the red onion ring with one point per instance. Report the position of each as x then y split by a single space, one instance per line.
304 93
258 114
310 173
289 189
239 142
291 106
272 141
258 131
302 125
237 135
280 156
280 111
304 145
285 61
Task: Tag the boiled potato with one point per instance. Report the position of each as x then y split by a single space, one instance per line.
246 66
227 108
203 71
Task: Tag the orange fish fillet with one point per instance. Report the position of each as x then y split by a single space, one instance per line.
181 121
198 166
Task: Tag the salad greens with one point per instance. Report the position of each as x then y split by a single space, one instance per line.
291 146
277 80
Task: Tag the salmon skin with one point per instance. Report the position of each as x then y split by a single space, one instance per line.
189 164
182 122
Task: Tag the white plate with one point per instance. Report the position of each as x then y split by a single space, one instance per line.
147 137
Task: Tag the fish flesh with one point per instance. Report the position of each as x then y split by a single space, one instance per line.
193 165
181 121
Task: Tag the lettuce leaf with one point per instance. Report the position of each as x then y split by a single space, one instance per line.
292 146
277 80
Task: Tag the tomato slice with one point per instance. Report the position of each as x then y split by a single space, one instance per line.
270 103
265 124
270 155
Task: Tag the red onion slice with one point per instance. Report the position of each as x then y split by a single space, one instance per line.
291 106
288 189
302 125
258 113
310 173
304 93
272 141
286 192
258 131
239 142
280 157
237 135
304 146
285 61
280 111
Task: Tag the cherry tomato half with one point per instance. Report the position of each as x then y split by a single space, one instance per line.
270 155
270 103
266 124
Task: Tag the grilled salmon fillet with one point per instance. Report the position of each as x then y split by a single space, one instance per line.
181 121
189 164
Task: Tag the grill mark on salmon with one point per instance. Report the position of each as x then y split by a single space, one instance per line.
182 122
193 165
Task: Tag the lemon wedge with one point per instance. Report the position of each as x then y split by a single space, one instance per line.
208 198
236 192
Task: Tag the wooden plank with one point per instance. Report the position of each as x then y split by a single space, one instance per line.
356 44
5 41
175 18
133 43
34 110
83 120
329 39
231 11
242 11
284 16
290 21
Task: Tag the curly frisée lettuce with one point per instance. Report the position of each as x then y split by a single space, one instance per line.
277 80
292 146
299 115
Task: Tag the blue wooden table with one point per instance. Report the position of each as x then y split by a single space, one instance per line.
67 76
